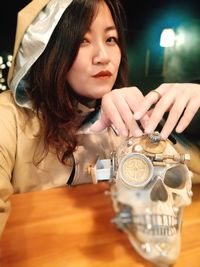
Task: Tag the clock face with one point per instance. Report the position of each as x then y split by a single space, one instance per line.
135 170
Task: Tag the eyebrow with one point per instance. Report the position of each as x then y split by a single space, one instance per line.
110 28
107 29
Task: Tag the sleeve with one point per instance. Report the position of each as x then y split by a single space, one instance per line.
7 159
92 147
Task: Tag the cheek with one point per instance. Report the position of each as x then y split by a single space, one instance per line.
76 73
116 59
78 65
75 78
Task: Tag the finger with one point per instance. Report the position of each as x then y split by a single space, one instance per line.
173 117
99 125
126 114
112 114
118 98
144 121
158 113
150 99
134 101
188 115
134 129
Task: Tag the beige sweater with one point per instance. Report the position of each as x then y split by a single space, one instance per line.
19 144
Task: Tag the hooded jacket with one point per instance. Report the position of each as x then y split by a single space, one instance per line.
19 143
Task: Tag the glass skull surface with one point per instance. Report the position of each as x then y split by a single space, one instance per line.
151 184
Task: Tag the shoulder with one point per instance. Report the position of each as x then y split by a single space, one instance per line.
8 104
11 113
6 96
7 101
9 110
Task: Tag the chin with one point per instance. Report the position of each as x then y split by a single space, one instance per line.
100 94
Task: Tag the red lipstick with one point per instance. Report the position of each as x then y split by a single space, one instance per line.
103 73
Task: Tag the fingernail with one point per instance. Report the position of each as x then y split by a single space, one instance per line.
124 133
148 130
137 115
138 133
179 129
164 137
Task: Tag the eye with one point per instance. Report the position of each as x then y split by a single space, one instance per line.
85 41
112 40
175 177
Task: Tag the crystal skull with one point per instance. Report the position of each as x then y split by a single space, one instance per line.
150 186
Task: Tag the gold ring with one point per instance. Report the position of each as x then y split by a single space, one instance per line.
158 94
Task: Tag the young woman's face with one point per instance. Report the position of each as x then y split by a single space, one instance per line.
95 68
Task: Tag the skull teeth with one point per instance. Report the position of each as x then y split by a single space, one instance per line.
156 224
160 231
155 219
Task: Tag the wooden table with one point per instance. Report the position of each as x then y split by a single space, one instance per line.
70 227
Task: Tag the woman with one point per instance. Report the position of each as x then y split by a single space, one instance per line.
68 56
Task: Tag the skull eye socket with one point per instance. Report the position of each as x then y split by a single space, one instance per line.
175 177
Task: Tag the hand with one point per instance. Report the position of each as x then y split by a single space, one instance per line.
181 100
117 110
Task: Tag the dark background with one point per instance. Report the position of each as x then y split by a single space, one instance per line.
145 24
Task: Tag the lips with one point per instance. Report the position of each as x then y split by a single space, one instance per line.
105 73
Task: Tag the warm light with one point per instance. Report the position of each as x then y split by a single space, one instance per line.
9 57
2 66
8 63
167 38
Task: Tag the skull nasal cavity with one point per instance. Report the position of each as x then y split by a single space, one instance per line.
159 192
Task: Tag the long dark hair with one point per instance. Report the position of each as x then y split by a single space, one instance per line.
51 95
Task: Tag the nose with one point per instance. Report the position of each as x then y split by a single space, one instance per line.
101 55
159 192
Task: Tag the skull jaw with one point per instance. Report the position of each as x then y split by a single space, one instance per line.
160 251
161 247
